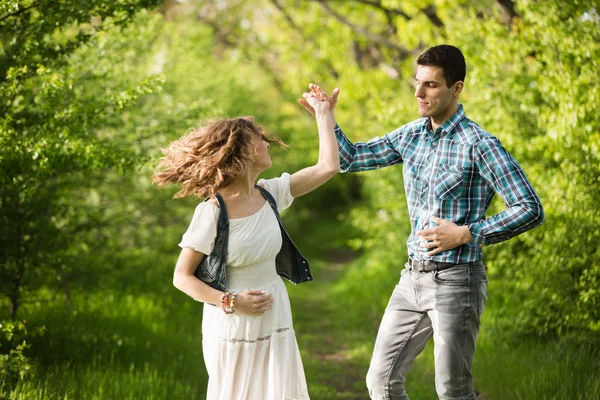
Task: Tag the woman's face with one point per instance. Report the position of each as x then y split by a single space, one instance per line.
262 159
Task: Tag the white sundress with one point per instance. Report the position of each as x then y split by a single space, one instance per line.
250 357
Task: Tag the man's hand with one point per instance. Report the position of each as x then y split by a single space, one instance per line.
446 236
321 95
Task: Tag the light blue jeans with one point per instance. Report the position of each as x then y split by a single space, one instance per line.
446 305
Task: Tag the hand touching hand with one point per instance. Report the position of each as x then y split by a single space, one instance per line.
253 302
319 94
446 236
318 101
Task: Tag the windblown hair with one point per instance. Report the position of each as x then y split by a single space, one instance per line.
210 156
449 58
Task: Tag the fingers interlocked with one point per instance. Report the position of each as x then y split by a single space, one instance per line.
316 93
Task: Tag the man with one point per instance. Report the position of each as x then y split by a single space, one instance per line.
452 168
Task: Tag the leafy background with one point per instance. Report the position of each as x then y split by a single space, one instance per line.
90 91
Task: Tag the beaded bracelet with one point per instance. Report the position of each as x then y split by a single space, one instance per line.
228 302
230 309
224 300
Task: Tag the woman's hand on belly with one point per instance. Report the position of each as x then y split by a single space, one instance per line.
253 302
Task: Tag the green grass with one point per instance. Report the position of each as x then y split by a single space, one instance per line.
141 339
119 344
509 368
351 299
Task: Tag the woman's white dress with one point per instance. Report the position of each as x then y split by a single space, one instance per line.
250 357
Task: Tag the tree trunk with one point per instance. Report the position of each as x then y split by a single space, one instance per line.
67 292
17 276
15 292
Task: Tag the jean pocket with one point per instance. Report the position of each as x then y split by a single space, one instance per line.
449 182
455 276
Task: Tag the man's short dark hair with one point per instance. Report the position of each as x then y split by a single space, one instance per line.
449 59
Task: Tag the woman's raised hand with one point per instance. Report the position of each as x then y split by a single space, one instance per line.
253 302
318 100
318 103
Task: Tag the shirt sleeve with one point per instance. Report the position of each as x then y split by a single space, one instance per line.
524 209
376 153
200 235
280 190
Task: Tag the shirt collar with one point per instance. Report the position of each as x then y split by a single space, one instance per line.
449 124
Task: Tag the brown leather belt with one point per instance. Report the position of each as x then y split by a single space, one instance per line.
428 265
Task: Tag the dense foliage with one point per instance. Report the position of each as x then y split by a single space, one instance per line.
63 87
90 90
531 80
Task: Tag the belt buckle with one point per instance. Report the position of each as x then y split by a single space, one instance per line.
428 266
420 265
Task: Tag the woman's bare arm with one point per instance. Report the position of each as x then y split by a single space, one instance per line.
252 302
308 179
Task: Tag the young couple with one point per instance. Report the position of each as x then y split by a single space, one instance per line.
236 248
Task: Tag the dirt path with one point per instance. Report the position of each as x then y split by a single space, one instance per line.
332 368
336 352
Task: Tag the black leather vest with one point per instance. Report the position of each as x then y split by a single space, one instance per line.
290 264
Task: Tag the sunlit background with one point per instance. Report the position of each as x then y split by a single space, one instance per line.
90 91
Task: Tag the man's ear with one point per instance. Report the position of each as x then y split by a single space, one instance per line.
458 87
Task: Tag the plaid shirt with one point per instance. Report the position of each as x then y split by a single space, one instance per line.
451 173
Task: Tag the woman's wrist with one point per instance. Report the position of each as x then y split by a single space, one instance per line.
228 302
323 113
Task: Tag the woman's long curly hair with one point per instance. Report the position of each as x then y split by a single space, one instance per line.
210 156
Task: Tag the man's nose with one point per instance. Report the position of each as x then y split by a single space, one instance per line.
418 91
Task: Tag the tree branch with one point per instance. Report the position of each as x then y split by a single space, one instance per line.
287 17
226 39
377 4
296 28
402 51
507 9
18 12
429 11
387 11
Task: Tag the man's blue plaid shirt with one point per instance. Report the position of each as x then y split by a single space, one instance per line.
451 173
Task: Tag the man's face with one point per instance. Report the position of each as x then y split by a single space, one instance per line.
433 96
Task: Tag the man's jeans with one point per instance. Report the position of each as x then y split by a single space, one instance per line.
446 305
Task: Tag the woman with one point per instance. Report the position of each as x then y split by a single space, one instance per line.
249 345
